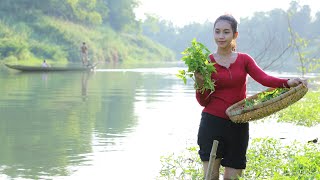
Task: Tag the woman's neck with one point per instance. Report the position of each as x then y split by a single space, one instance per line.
224 52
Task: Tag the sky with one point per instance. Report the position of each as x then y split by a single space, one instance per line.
182 12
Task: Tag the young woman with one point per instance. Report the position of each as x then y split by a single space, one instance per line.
231 83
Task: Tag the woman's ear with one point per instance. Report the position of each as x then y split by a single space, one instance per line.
235 35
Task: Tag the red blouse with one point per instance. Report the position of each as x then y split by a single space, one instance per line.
231 84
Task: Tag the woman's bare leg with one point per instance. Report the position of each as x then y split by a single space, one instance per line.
231 173
216 167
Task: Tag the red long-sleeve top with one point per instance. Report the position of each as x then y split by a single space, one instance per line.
231 84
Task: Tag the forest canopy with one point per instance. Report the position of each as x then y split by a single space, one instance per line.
31 30
271 37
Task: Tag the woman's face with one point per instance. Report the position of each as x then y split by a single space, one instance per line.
223 34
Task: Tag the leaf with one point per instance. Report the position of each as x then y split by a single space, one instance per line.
196 59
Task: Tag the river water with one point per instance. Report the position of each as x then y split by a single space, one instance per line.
114 123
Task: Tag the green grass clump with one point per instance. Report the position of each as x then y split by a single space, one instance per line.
270 159
267 159
305 112
186 165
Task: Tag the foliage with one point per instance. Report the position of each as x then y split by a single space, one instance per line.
267 159
305 112
31 31
300 46
13 43
88 12
264 36
265 96
23 48
186 165
11 46
121 14
270 159
176 38
59 41
196 58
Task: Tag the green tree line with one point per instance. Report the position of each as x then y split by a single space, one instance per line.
267 36
32 30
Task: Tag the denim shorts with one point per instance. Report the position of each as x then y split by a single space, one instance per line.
233 140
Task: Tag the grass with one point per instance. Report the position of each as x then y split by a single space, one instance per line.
305 112
267 158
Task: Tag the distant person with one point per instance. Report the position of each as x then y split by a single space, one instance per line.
84 54
45 64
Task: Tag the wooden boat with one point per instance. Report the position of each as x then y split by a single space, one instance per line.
45 69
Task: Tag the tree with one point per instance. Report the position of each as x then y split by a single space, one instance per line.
121 13
300 18
301 47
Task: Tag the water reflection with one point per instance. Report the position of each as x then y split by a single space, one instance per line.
41 130
74 125
45 77
84 84
38 136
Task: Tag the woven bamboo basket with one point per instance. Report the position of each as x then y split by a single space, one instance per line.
238 113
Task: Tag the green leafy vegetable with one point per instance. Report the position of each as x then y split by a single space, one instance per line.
265 96
196 58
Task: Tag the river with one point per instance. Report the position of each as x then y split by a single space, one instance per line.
114 123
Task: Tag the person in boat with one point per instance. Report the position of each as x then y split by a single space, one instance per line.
230 82
84 54
45 64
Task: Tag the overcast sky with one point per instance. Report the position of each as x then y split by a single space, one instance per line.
182 12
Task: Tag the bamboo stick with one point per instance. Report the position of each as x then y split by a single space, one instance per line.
212 159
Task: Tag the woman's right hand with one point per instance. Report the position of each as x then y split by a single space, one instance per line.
296 81
199 79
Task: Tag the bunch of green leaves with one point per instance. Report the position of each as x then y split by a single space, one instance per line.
196 58
265 96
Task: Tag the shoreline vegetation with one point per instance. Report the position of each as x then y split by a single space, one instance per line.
54 30
268 158
59 40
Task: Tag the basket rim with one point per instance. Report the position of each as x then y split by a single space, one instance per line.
234 109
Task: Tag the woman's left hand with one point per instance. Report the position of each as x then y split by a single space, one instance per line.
296 81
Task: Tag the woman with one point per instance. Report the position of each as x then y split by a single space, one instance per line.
231 81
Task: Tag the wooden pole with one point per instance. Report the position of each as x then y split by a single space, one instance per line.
212 159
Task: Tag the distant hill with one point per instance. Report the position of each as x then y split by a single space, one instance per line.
33 30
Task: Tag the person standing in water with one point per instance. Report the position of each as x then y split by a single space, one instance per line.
45 64
230 81
84 54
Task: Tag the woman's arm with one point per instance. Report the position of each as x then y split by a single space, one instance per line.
261 76
270 81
